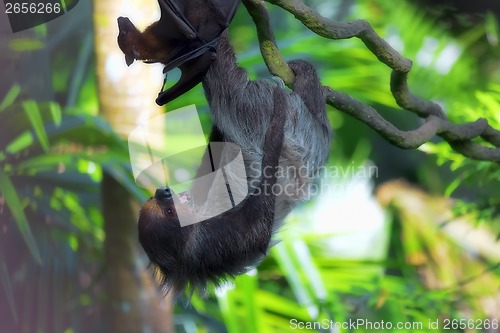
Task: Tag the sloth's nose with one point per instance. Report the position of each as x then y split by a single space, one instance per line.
163 193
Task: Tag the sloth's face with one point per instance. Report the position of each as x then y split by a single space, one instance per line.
160 233
164 207
164 199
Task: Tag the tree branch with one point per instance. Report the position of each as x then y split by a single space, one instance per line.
270 52
459 136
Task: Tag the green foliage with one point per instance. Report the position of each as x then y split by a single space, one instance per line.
301 280
53 155
51 165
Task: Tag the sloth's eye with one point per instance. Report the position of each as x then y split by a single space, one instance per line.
169 211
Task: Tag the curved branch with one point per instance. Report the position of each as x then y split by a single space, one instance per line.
335 30
270 52
459 136
410 102
368 115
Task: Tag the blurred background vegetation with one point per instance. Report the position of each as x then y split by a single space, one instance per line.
413 240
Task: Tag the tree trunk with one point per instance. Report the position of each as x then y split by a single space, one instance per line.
126 96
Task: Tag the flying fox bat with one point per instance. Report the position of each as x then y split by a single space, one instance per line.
185 37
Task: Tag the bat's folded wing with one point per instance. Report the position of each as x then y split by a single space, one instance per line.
201 40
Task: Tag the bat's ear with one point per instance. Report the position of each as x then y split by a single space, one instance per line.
129 59
192 74
127 39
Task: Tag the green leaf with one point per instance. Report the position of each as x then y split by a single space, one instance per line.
56 113
36 119
25 44
287 261
20 143
10 97
247 284
14 122
14 203
228 310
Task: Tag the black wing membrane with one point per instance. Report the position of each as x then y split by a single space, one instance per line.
172 14
198 40
227 10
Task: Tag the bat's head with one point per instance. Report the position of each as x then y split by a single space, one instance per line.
128 38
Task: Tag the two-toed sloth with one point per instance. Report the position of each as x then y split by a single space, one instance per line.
285 139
